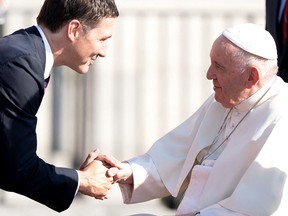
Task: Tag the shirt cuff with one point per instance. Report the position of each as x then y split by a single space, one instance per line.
78 185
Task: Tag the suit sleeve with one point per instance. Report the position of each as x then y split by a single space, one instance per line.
23 172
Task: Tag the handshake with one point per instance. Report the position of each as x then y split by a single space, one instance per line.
98 173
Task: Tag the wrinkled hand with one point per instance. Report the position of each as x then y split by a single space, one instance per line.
123 175
95 181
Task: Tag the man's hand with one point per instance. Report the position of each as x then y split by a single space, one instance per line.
99 172
95 181
109 161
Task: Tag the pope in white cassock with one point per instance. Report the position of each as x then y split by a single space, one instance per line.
230 156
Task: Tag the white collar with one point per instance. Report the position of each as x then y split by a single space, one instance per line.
49 55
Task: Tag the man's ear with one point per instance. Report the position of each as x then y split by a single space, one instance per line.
253 77
73 30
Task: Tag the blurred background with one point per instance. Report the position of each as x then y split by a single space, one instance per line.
151 80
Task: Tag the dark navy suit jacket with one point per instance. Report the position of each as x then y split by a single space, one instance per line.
274 27
22 64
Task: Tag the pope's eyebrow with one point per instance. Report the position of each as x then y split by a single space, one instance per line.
219 65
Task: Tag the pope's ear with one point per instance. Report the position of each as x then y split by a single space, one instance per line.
73 29
253 76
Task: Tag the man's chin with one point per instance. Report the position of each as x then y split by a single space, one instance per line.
83 70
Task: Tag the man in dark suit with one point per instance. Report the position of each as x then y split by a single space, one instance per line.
71 33
276 22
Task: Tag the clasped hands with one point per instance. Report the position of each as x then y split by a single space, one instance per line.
99 172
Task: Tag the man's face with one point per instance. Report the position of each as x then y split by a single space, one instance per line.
90 45
225 72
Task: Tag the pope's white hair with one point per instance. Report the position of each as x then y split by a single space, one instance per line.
267 67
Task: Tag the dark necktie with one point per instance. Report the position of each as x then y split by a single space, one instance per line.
285 23
46 81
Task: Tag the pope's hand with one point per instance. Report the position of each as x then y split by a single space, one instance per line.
123 175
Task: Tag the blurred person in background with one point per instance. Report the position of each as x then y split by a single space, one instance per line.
229 157
71 33
277 25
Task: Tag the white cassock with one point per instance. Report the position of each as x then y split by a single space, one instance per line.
248 177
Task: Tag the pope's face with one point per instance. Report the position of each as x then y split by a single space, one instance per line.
225 72
90 45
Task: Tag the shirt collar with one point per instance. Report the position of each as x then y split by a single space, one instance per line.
249 102
49 55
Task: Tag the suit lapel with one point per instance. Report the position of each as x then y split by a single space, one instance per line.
33 32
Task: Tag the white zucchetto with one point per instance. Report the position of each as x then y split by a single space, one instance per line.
253 39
